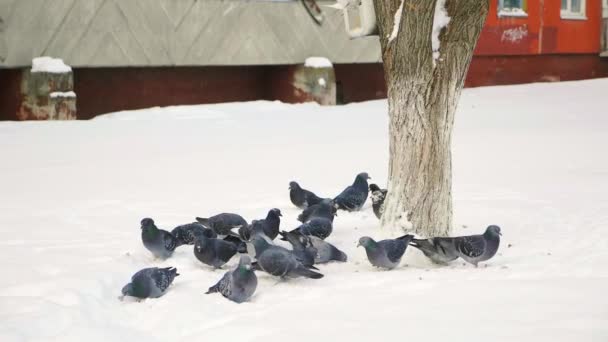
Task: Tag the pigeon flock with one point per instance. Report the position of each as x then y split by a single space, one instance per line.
216 239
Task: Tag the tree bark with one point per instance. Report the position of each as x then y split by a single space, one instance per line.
422 97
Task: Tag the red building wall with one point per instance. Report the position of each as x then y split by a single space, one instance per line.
543 31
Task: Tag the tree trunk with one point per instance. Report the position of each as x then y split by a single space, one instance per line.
422 96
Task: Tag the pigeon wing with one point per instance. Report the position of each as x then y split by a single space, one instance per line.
471 246
394 249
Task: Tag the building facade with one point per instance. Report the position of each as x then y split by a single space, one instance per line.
129 54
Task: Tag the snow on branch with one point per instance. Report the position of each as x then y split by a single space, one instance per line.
440 20
396 22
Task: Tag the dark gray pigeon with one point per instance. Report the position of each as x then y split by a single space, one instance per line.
239 284
279 261
160 242
318 226
187 234
325 209
472 248
150 282
241 246
321 251
269 226
354 196
378 196
214 252
302 198
224 223
301 246
385 253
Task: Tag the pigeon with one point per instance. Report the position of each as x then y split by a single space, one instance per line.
302 247
472 248
377 195
160 242
269 226
222 224
279 261
325 209
302 198
214 252
186 234
239 284
354 196
241 246
322 251
385 253
319 227
150 282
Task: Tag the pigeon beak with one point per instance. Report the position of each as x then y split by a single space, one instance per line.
358 244
499 233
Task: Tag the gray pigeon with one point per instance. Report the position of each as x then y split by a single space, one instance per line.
473 248
319 227
186 234
224 223
378 196
302 247
326 252
385 253
150 282
302 198
239 284
160 242
325 209
354 196
214 252
321 251
269 226
279 261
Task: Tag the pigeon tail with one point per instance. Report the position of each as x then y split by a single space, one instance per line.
213 289
407 238
304 272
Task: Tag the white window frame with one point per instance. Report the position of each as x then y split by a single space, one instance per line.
508 12
568 14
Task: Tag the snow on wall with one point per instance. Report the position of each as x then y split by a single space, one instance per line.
62 94
50 65
318 62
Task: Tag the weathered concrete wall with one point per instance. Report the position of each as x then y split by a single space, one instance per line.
88 33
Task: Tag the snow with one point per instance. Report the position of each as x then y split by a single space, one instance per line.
529 158
56 94
317 62
396 22
512 12
440 20
50 65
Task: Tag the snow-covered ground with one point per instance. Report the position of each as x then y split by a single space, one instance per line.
530 158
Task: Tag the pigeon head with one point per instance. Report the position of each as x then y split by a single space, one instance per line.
293 185
364 175
366 242
493 230
374 187
244 263
127 290
147 223
274 212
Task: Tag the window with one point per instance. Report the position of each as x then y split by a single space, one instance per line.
573 9
512 8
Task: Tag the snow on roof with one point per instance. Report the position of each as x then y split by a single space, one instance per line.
318 62
50 65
